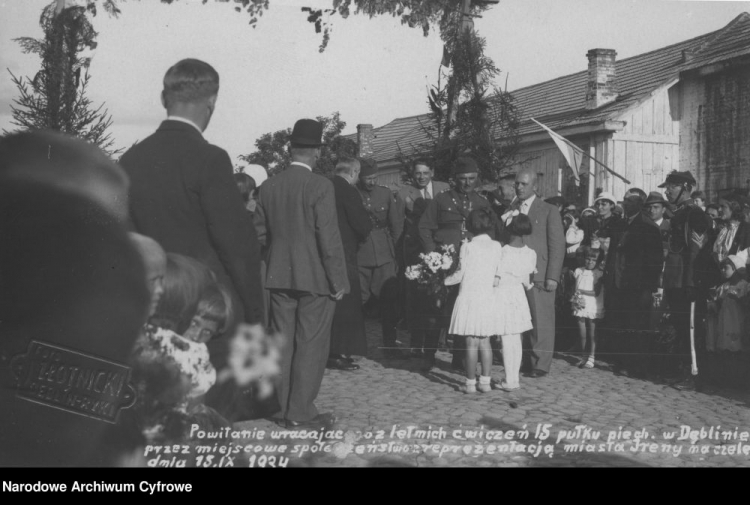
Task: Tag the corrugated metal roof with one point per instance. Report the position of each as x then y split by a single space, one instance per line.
561 103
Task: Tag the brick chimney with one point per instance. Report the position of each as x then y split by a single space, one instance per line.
364 140
601 87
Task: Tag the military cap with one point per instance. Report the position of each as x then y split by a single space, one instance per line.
368 167
465 165
679 178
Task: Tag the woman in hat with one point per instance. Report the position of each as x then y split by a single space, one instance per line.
607 223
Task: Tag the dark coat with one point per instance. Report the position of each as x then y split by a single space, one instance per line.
354 221
183 195
638 258
688 241
348 327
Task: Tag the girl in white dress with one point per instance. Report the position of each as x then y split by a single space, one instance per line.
517 266
474 314
588 302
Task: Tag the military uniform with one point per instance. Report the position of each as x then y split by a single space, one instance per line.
376 256
688 238
442 223
444 219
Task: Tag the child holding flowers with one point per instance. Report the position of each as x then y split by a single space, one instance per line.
474 314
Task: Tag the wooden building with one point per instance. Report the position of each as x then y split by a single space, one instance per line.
680 107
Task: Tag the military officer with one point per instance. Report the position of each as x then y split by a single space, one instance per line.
376 256
444 222
688 237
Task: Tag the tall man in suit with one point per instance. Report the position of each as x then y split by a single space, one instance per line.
183 195
306 273
348 329
634 262
425 333
547 239
377 254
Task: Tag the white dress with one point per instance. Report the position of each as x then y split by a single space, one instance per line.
593 306
474 313
512 312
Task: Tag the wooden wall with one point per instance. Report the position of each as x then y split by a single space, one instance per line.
647 148
715 130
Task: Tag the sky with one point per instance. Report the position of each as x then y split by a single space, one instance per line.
373 71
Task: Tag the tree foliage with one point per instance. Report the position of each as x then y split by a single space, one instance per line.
55 99
272 149
469 115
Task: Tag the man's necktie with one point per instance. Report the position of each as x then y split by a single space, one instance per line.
427 195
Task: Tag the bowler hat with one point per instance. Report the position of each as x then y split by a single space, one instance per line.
655 197
307 133
368 167
465 165
676 177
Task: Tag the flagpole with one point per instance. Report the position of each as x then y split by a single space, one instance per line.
582 151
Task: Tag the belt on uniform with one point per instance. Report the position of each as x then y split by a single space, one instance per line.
378 226
451 226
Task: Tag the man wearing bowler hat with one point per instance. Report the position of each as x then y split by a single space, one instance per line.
688 236
443 222
376 256
306 273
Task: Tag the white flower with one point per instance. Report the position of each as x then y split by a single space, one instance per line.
413 272
447 262
253 358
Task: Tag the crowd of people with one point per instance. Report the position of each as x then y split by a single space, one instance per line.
175 265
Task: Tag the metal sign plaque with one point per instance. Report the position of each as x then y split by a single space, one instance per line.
73 381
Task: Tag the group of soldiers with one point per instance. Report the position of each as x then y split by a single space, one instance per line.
416 219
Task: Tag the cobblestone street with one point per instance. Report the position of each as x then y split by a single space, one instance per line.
391 414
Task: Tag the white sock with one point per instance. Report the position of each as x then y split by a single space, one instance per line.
471 382
484 379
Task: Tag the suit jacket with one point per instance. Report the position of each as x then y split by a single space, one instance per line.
296 218
183 195
638 258
547 239
354 221
414 204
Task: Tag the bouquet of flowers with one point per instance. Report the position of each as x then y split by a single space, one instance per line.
577 302
431 272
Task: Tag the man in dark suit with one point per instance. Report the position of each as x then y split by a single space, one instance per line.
348 329
183 195
547 239
634 263
306 273
425 333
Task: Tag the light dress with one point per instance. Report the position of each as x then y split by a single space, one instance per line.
517 264
727 326
593 306
475 310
